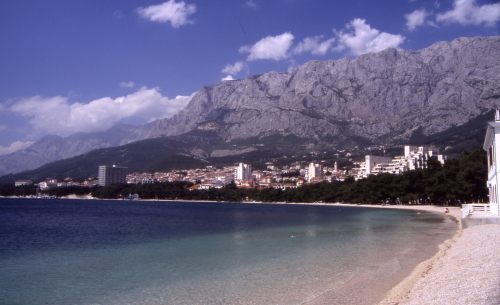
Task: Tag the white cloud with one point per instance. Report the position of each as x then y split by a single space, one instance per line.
56 115
229 77
313 45
466 12
127 85
175 13
364 39
271 47
251 4
14 147
3 127
234 69
416 18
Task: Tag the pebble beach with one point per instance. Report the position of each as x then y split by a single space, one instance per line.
466 270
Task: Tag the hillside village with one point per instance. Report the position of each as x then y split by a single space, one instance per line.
294 175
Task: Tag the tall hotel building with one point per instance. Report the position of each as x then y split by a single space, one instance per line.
112 174
243 172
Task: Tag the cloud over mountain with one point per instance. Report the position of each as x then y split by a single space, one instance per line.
415 19
314 45
18 145
467 12
363 39
57 115
234 69
271 47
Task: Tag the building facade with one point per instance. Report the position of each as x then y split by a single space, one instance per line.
112 174
492 147
23 182
243 172
415 157
314 171
371 163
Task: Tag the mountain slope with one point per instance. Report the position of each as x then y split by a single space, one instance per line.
52 148
137 156
383 97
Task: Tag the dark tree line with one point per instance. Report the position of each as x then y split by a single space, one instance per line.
9 189
461 180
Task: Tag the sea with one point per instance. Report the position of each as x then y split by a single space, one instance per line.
176 252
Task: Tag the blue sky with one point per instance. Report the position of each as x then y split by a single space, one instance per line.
81 66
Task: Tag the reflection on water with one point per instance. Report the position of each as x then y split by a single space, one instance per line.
108 252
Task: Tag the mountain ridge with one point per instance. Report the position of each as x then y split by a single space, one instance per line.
375 95
383 98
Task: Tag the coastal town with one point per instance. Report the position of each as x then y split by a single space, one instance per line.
294 175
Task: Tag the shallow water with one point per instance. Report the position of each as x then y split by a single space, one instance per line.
116 252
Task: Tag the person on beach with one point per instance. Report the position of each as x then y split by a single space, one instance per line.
447 211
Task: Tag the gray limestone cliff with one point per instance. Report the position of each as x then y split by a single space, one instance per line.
383 96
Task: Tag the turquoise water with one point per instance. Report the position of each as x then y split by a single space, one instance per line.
115 252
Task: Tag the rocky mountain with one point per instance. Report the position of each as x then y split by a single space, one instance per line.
52 148
388 97
383 97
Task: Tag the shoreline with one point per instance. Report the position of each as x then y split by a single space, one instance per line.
373 286
463 271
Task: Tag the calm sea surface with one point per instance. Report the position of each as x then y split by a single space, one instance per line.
119 252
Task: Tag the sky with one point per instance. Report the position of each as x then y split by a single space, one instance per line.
71 66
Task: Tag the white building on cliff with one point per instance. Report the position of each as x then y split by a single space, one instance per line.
492 146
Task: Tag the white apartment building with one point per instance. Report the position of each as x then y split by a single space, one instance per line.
314 171
492 146
243 172
415 157
371 163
